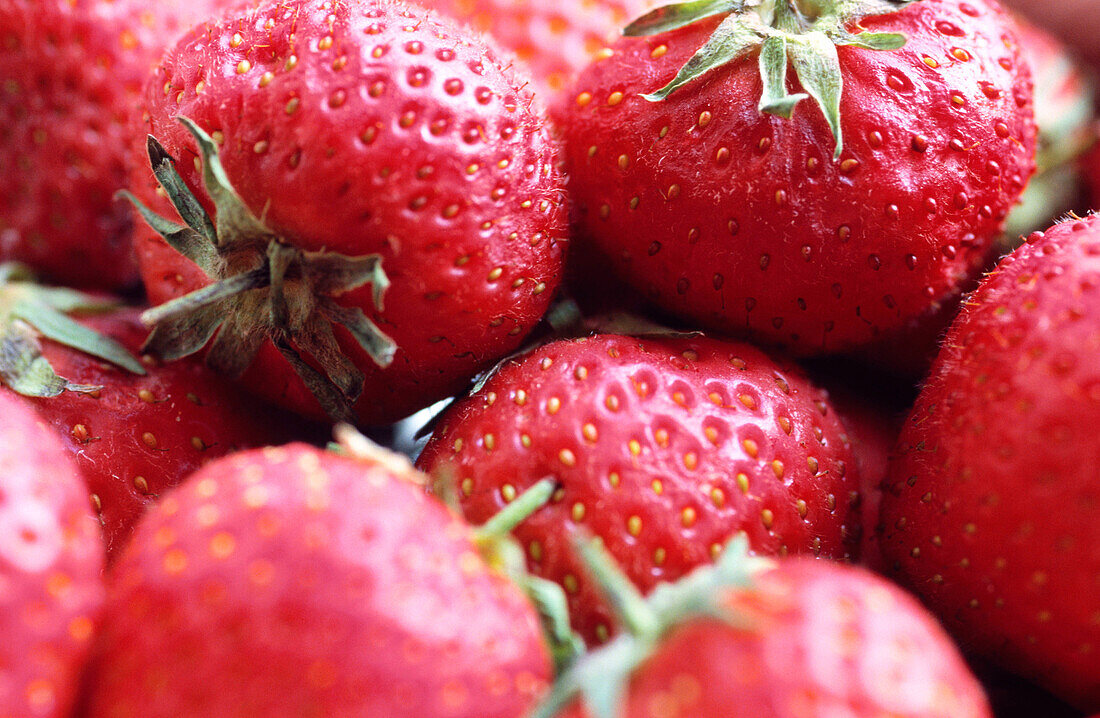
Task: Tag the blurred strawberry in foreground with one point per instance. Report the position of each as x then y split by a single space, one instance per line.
554 40
72 74
664 447
134 428
412 212
1066 117
761 639
295 582
51 558
987 511
863 212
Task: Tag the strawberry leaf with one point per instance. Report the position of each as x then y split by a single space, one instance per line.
263 288
677 15
773 69
730 41
817 65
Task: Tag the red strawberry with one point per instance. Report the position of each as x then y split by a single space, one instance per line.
847 221
295 582
1066 117
51 558
779 640
73 71
374 142
662 447
986 513
555 40
135 437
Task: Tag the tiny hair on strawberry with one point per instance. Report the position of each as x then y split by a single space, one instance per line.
371 205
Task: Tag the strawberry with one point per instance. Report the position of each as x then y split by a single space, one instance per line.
662 447
73 71
985 510
554 40
766 639
135 437
391 156
51 558
854 217
1065 116
294 582
134 428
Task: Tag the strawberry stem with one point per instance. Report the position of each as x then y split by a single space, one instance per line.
517 511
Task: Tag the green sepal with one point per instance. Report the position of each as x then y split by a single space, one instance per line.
817 65
773 70
25 371
29 312
54 325
263 288
805 33
882 41
600 678
234 220
677 15
730 40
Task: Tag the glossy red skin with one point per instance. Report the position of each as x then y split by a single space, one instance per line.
73 72
745 224
825 640
554 40
51 561
159 427
644 376
447 309
982 510
327 587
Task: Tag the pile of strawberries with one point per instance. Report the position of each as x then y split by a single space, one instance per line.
583 244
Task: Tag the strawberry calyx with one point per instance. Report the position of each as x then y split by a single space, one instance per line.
600 678
503 553
803 33
28 312
263 288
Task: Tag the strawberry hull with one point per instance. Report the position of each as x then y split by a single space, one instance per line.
428 153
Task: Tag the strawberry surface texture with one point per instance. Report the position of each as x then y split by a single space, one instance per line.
664 448
985 513
847 222
73 72
293 582
51 560
358 131
135 437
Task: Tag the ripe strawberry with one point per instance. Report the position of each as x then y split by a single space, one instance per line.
662 447
847 221
73 71
1066 118
772 640
554 40
135 437
380 147
51 558
295 582
985 513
